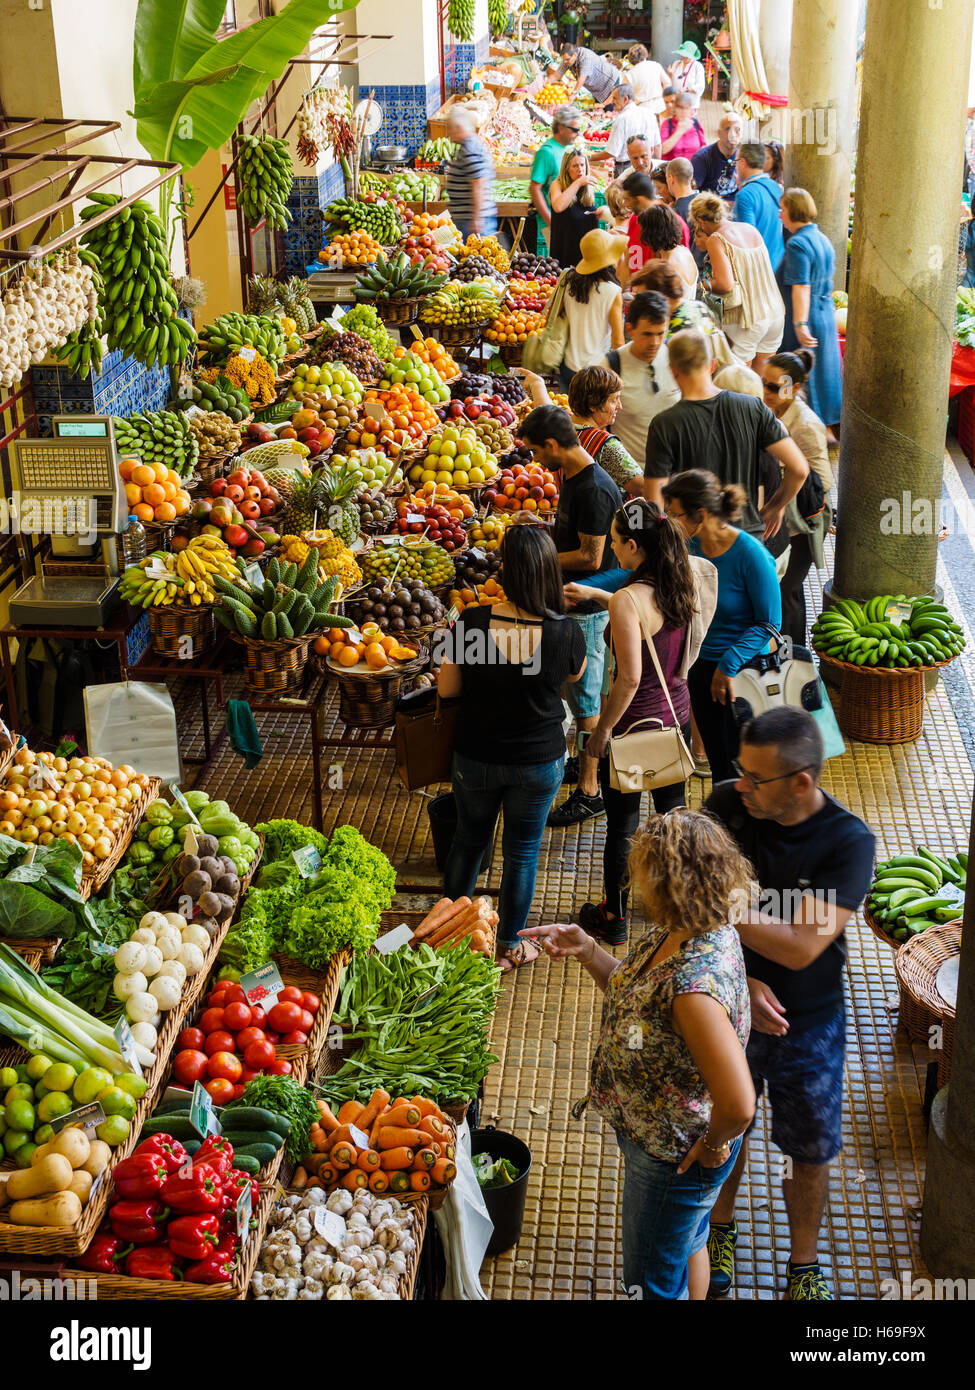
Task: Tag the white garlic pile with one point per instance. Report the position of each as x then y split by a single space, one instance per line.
39 311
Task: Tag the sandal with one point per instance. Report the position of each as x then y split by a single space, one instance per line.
518 955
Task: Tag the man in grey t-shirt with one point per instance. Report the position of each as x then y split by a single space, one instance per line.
591 71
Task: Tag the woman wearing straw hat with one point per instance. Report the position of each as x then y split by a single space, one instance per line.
593 303
687 74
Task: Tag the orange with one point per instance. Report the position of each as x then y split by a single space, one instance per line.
376 657
172 477
143 474
335 634
161 471
182 502
125 469
153 494
348 656
133 493
387 643
169 491
164 511
143 511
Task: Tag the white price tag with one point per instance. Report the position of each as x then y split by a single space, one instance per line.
254 575
183 804
247 353
193 410
394 940
126 1045
263 985
330 1226
88 1117
244 1207
359 1137
373 410
308 859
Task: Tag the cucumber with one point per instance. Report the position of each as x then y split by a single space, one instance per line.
246 1138
176 1125
192 1146
246 1163
263 1154
254 1117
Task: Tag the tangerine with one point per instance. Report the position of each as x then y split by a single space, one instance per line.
376 658
164 511
348 656
143 474
153 494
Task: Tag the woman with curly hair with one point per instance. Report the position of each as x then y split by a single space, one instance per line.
660 233
669 1072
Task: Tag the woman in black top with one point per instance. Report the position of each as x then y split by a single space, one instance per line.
574 210
508 664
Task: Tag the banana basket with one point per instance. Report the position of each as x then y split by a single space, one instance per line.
880 704
397 313
458 335
182 631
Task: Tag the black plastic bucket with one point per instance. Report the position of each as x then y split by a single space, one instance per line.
442 811
506 1205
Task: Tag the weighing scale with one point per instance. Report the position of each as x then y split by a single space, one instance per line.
370 128
70 489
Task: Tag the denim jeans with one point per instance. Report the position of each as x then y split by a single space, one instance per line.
665 1219
525 793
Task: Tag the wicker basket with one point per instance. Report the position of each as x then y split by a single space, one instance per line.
326 985
170 628
879 704
457 335
917 963
159 534
397 313
510 353
95 878
367 700
272 668
216 466
46 947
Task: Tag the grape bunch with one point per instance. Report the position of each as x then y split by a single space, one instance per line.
472 384
520 454
427 563
472 267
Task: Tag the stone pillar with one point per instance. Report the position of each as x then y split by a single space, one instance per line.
948 1211
775 38
902 299
667 28
822 95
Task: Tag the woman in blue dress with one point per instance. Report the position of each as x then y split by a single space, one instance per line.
805 278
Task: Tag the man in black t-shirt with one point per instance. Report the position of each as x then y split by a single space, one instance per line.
588 501
814 862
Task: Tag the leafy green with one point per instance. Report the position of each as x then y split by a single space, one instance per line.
500 1172
86 976
282 1095
283 837
250 941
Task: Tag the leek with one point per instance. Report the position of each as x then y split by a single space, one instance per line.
25 1030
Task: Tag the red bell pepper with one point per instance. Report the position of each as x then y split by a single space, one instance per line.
140 1176
193 1237
103 1253
217 1268
237 1181
156 1263
139 1222
168 1149
217 1153
197 1191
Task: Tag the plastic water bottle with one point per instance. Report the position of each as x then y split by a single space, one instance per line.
132 543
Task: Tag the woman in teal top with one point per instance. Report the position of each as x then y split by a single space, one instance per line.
805 279
748 599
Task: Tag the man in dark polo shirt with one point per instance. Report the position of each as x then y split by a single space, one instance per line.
814 861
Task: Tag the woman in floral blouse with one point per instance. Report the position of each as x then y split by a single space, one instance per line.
669 1071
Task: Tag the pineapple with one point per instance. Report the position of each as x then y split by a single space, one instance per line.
297 305
284 479
331 492
264 295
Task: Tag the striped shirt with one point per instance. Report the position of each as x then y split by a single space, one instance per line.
598 77
472 161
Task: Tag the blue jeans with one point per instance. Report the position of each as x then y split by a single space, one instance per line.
525 793
665 1219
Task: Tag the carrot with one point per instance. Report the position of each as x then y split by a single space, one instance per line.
395 1105
395 1137
399 1182
427 927
317 1136
378 1181
328 1120
344 1154
425 1158
354 1180
328 1175
404 1116
443 1172
459 926
350 1112
368 1159
420 1182
396 1158
426 1107
336 1137
449 1151
479 942
300 1178
377 1104
434 1127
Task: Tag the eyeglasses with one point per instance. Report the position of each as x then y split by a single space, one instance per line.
572 129
755 782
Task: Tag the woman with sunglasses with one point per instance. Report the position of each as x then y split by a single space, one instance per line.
748 599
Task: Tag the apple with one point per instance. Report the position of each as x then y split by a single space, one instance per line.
253 548
236 536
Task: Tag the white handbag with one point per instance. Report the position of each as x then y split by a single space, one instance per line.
655 756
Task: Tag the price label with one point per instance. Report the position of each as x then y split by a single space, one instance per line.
897 612
359 1137
191 844
88 1117
955 894
183 804
202 1118
185 392
254 575
394 940
48 776
102 948
453 613
353 634
416 333
172 1093
373 410
126 1045
247 354
389 540
244 1211
330 1226
412 517
263 985
308 859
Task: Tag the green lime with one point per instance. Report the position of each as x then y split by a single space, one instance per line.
20 1115
38 1065
61 1077
113 1131
23 1155
115 1101
12 1141
54 1104
131 1084
8 1078
44 1135
40 1090
89 1083
22 1091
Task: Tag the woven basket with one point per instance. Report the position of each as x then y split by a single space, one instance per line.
367 700
170 628
397 313
95 878
325 984
271 668
510 353
45 947
917 964
878 930
216 466
457 335
879 704
159 534
947 1042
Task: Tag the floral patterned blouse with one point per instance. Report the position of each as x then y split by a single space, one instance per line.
643 1079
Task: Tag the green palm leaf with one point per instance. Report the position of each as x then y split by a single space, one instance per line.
183 119
170 37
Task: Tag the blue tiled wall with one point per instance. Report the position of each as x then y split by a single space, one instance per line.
433 95
303 234
122 387
405 112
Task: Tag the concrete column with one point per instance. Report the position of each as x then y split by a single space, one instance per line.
667 29
822 88
948 1211
902 298
775 39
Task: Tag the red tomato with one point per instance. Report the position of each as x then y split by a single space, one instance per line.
247 1075
307 1021
290 995
260 1055
284 1018
271 1036
258 1016
221 1091
235 995
190 1066
238 1091
224 1066
280 1068
295 1039
311 1002
191 1039
212 1020
220 1041
236 1016
246 1036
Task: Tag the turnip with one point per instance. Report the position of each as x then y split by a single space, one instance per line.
192 958
144 936
130 958
175 969
196 936
175 920
154 960
145 1035
156 921
169 943
141 1008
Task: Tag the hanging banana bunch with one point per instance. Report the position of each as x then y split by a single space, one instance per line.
497 16
264 178
460 20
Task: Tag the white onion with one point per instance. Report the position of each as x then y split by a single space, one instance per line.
141 1008
130 958
125 986
166 991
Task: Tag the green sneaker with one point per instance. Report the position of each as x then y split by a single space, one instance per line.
721 1252
807 1283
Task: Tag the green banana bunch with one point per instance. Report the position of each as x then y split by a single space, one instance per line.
158 436
379 219
497 16
265 175
865 636
397 278
439 151
226 334
137 588
460 20
138 303
908 893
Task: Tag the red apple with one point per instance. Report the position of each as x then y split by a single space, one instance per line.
235 536
253 548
